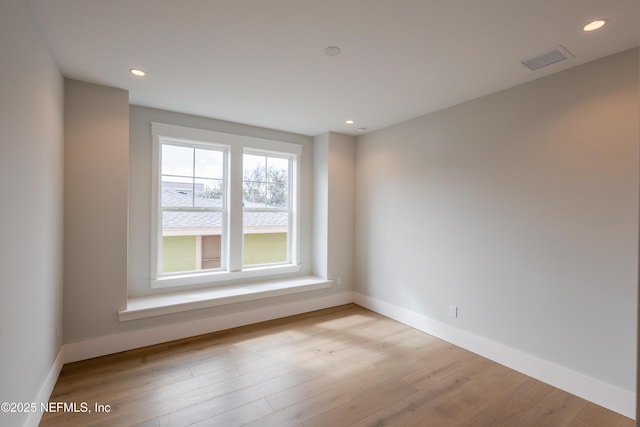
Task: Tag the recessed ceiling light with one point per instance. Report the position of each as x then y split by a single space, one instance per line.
596 24
137 72
349 122
332 51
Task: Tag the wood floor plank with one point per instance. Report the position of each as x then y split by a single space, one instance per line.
556 409
303 410
506 411
344 366
237 416
463 403
592 415
411 407
205 409
442 363
362 405
140 406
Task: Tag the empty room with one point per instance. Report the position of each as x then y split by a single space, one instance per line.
319 213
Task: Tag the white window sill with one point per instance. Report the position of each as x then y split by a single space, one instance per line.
158 305
247 274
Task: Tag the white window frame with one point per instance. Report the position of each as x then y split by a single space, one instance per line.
292 231
234 146
160 209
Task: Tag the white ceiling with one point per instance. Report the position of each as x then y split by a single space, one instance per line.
262 62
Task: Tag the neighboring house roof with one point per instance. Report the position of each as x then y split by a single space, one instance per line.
176 196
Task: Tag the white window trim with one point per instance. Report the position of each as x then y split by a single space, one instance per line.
234 145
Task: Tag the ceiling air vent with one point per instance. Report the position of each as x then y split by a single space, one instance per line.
549 57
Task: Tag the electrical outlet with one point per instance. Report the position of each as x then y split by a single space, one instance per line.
453 311
339 281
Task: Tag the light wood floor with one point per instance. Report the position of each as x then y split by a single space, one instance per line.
344 366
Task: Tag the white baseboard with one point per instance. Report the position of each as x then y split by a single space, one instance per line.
114 343
591 389
33 419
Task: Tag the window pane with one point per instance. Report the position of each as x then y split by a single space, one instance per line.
209 193
278 169
254 168
277 196
178 253
265 238
254 185
211 251
176 191
191 222
278 182
209 164
177 160
191 241
254 194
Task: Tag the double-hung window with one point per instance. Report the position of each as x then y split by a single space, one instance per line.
224 207
266 208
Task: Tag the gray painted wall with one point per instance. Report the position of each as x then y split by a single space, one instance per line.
521 208
334 208
320 205
341 209
95 207
31 184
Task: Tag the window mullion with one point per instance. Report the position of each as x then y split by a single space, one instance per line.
235 209
193 178
294 209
